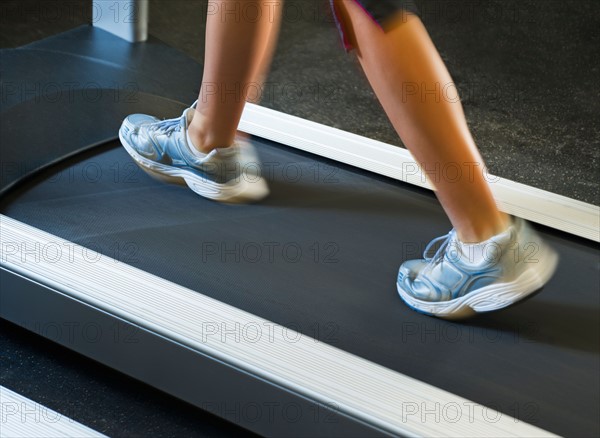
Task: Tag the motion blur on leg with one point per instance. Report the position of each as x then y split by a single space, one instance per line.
202 147
474 268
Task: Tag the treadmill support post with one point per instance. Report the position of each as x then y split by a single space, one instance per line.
127 19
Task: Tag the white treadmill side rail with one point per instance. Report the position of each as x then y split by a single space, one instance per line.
530 203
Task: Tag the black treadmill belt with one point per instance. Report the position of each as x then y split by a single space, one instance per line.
320 256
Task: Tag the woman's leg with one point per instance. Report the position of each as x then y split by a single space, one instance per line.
240 42
263 63
432 126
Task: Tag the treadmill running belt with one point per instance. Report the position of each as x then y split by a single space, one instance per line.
320 256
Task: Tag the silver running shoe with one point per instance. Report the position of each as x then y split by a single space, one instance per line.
161 148
453 285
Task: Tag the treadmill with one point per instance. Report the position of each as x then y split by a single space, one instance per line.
281 316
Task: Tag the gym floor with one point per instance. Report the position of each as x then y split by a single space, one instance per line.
527 72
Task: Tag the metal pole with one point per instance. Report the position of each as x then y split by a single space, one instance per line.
127 19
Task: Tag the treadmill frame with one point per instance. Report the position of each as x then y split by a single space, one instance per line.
172 337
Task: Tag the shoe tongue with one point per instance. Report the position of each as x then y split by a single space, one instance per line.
189 115
227 152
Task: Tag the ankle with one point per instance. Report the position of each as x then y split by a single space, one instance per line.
198 139
478 232
205 141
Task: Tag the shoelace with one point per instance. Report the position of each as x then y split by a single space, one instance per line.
439 254
167 126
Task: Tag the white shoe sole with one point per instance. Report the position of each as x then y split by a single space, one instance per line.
245 188
493 297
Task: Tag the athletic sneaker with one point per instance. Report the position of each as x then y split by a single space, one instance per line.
162 149
463 279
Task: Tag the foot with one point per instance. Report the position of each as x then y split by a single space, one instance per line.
161 148
461 280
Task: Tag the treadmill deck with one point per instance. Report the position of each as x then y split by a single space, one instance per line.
320 256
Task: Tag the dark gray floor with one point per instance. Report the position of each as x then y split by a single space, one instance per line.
95 395
527 71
